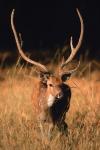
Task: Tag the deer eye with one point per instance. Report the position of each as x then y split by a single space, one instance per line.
51 85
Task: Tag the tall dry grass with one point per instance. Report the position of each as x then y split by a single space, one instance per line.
18 129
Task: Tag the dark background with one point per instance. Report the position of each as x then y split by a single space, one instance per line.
46 24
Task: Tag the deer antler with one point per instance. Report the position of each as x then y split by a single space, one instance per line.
20 49
75 49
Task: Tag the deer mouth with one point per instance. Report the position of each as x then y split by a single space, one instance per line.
52 99
59 96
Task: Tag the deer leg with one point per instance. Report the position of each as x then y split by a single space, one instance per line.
50 129
63 127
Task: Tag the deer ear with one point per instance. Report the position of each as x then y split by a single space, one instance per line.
41 74
44 76
65 76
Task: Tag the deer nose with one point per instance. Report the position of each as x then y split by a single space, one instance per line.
59 95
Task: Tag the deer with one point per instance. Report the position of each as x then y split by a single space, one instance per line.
53 95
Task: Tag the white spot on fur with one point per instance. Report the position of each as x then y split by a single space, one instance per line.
50 100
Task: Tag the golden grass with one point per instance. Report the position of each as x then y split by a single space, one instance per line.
18 129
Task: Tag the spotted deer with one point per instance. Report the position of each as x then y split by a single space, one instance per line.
52 97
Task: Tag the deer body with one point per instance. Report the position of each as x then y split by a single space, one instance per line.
51 100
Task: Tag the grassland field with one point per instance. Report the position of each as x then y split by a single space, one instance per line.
18 129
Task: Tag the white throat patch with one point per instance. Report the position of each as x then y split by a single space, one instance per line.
50 101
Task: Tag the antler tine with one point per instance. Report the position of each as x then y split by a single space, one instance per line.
75 49
61 72
74 70
20 49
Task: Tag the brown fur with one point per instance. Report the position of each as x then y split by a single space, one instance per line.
54 114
